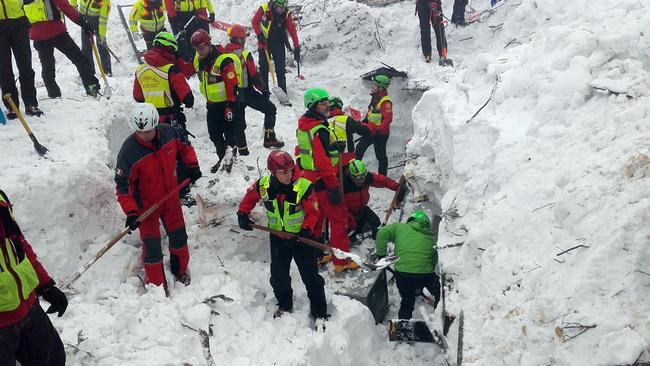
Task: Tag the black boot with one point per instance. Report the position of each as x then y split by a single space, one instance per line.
32 110
270 140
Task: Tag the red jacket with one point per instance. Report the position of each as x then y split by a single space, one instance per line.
227 71
254 77
386 114
181 92
320 145
9 229
285 24
309 202
146 171
356 198
49 29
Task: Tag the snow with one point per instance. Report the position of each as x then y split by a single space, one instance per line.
557 158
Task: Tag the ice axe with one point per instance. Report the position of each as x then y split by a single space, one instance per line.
108 92
40 149
340 254
75 276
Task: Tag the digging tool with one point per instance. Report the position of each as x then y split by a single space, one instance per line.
377 298
108 92
279 93
75 276
366 264
300 76
40 149
138 53
223 26
113 54
397 198
409 330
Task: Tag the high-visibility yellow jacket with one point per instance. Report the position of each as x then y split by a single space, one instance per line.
95 8
151 19
11 9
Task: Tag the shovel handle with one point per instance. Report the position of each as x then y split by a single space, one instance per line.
17 111
268 63
285 235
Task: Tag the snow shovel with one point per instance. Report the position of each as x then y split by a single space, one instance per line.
40 149
409 330
279 93
397 198
108 93
338 253
377 298
75 276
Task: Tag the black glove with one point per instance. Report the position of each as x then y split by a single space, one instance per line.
261 37
56 298
334 196
86 27
266 93
194 174
296 53
305 232
211 17
132 222
244 221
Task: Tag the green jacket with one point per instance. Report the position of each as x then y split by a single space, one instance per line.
415 245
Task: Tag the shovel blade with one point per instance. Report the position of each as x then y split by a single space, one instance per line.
409 330
283 98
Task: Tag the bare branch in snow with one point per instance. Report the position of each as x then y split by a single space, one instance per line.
537 266
494 88
549 205
576 328
570 249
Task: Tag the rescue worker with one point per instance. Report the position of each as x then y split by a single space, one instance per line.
159 81
416 247
292 208
458 15
356 187
150 14
378 119
145 172
318 161
271 23
14 30
26 333
96 13
217 73
343 128
180 13
430 14
254 93
48 31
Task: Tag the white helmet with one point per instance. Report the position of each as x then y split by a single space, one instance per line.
144 117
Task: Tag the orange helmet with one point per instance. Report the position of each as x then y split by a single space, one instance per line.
237 31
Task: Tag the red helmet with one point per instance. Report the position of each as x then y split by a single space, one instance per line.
237 31
279 160
199 38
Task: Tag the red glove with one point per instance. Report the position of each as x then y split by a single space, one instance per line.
228 114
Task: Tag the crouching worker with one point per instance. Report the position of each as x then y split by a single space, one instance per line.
144 174
291 207
415 245
26 333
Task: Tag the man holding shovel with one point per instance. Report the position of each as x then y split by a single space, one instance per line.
145 172
291 208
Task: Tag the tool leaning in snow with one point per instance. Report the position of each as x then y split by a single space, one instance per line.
40 149
364 263
398 198
93 44
283 98
75 276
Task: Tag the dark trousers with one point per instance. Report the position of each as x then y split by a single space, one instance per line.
32 341
458 16
185 50
379 143
14 38
64 43
259 103
149 36
410 285
429 17
278 54
282 251
223 133
369 218
87 50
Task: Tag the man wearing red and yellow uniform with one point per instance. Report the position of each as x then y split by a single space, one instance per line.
378 119
343 129
318 161
161 82
150 14
180 13
26 333
356 187
48 31
145 172
96 13
271 23
217 71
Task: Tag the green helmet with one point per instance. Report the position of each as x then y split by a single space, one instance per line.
382 80
336 102
420 217
315 95
357 169
166 39
281 2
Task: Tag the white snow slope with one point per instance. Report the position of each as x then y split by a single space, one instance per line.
550 163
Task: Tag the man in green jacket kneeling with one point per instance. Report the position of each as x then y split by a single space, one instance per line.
415 245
